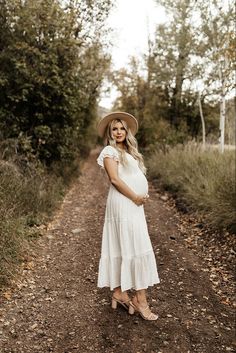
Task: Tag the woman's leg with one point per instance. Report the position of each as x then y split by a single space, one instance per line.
118 294
140 298
140 301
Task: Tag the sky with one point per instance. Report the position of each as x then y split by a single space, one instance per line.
131 21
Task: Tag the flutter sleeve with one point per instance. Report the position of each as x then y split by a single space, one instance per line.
110 152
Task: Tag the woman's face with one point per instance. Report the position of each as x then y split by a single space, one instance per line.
119 132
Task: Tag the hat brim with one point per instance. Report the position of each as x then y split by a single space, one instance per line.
128 118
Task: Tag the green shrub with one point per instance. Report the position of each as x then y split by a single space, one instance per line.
204 180
52 62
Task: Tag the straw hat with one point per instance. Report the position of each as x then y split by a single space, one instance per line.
128 118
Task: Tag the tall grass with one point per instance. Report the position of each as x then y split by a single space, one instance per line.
204 180
28 195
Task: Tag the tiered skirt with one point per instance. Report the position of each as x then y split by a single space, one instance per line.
127 257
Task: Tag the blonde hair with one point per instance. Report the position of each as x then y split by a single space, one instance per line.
130 143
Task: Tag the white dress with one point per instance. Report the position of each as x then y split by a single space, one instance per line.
127 257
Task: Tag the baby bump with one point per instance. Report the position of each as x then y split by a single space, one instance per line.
137 182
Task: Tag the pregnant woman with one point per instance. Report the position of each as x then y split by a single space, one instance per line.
127 259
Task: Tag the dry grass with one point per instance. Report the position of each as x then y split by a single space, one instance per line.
204 180
28 196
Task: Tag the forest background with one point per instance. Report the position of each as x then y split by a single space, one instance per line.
54 57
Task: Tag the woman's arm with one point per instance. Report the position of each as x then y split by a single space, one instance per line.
111 167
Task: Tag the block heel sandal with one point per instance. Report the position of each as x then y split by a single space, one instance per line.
150 317
126 304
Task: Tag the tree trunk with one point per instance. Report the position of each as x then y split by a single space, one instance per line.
203 122
222 111
222 123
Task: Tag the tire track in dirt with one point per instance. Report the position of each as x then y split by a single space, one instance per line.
58 308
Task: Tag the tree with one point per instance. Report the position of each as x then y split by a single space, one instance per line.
173 48
218 53
179 67
51 67
134 93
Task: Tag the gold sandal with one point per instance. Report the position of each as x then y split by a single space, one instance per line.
150 317
125 304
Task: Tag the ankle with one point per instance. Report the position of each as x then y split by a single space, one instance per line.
117 291
121 295
140 300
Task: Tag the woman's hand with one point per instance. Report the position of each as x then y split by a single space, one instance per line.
111 167
140 199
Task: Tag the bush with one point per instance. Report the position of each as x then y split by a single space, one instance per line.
28 195
204 180
52 62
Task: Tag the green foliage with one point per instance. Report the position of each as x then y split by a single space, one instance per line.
151 105
51 68
177 71
52 61
217 46
204 180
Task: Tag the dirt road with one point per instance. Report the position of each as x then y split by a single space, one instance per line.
57 307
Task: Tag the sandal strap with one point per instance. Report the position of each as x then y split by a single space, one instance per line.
122 301
151 315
